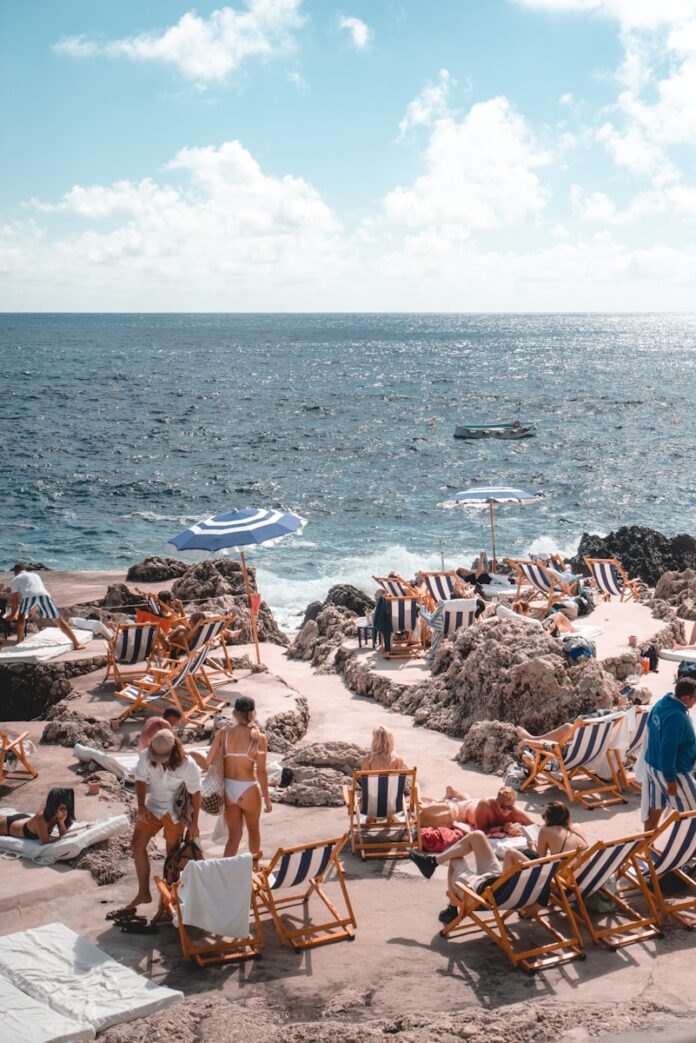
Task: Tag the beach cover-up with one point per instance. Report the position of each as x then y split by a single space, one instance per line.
80 836
46 644
77 979
26 1020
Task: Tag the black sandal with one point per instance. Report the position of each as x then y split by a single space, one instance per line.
127 913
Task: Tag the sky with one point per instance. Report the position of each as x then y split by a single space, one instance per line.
358 155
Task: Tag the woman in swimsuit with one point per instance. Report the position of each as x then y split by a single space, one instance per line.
59 811
558 834
244 750
381 756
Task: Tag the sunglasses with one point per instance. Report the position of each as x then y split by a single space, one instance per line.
506 807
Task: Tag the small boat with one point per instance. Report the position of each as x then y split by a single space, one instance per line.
500 429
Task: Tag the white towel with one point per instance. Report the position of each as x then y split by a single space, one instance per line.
215 895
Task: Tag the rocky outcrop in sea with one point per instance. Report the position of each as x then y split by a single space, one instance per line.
644 553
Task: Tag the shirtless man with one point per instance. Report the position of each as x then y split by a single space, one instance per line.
481 814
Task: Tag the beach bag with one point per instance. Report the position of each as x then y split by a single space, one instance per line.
576 647
585 602
183 852
213 787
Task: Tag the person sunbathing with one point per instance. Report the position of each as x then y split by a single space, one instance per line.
179 638
498 811
58 812
555 623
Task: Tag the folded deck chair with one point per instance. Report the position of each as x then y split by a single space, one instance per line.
543 582
218 897
588 873
132 643
516 889
626 760
565 766
174 684
670 850
384 820
14 759
406 639
395 586
306 868
610 579
441 586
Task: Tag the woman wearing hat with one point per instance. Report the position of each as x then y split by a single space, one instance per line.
162 768
242 749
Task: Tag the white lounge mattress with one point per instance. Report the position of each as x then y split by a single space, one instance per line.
47 644
26 1020
678 655
77 979
79 836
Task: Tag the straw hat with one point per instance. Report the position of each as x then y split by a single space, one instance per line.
161 745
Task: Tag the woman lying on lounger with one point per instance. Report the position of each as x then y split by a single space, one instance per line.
59 811
556 623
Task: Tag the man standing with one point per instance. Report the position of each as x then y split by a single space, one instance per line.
670 755
29 594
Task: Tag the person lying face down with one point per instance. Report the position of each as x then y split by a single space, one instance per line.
484 814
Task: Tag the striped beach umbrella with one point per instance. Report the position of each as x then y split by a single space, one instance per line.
488 496
235 530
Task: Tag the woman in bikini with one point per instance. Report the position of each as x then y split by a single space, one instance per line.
59 811
558 834
243 748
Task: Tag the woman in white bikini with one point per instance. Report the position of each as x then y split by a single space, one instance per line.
244 750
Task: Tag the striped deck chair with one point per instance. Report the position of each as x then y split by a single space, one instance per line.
172 685
395 586
441 586
587 873
407 640
306 868
565 766
14 760
219 668
624 762
384 822
214 876
671 849
610 579
543 582
461 612
524 885
132 643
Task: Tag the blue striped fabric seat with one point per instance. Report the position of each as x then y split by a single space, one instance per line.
537 575
639 734
594 872
441 585
152 604
590 741
394 586
382 795
678 846
207 631
404 613
134 642
607 578
530 884
300 867
460 612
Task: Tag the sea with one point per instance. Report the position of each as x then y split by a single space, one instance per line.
119 430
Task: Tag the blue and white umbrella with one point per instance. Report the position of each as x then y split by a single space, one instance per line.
237 529
482 496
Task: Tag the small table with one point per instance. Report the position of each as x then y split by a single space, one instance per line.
365 631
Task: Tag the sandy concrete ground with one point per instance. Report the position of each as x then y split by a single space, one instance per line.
398 967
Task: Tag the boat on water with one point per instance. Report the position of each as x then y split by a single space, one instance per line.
509 430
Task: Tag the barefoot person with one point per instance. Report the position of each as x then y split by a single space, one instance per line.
243 749
28 595
481 814
161 769
58 812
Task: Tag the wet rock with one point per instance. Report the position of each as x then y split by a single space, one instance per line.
284 730
156 570
66 727
318 639
643 552
320 771
312 611
678 589
345 595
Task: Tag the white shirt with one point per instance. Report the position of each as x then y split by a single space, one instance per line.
162 783
28 584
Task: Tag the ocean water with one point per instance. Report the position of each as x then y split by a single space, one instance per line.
120 430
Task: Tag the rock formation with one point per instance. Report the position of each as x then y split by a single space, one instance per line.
284 730
644 553
28 690
678 589
344 595
491 744
319 638
156 570
66 727
320 772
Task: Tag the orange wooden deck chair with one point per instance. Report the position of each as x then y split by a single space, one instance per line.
217 898
296 875
625 761
670 850
178 683
133 644
218 665
407 629
384 821
536 575
14 759
610 579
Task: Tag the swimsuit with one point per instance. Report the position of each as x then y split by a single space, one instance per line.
234 788
11 819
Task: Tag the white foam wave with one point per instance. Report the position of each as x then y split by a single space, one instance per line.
548 545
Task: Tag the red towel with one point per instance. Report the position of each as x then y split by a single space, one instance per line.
439 838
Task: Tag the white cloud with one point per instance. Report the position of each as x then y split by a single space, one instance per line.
204 49
479 173
432 103
642 14
357 29
672 200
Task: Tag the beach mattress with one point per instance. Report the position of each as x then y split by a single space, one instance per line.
26 1020
78 980
677 655
47 644
80 836
123 764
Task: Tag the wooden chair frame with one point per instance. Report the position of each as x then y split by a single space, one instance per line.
646 877
627 760
568 894
562 778
630 585
156 691
232 951
557 590
338 928
457 586
407 589
217 672
484 915
142 666
361 828
15 748
406 648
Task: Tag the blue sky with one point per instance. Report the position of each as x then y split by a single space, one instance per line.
381 155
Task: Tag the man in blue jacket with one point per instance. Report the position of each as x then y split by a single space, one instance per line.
670 755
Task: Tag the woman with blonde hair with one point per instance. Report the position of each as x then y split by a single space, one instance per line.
381 756
241 748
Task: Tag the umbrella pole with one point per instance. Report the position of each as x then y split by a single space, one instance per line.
252 617
490 507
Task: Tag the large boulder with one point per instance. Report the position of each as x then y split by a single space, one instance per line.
29 690
66 727
344 595
644 553
320 771
156 570
490 744
284 730
678 589
319 638
218 586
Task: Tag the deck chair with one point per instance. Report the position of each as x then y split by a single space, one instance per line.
306 867
518 888
395 586
564 766
543 582
132 643
216 896
587 873
407 640
671 849
14 759
447 618
442 586
609 578
379 808
626 761
218 670
173 684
